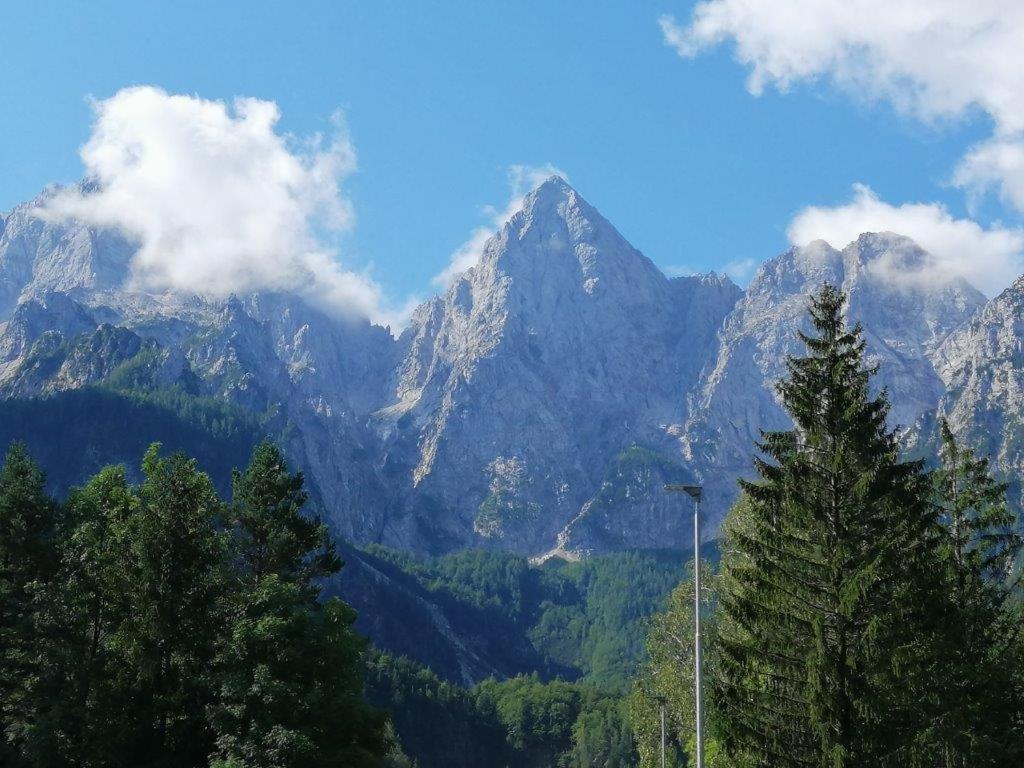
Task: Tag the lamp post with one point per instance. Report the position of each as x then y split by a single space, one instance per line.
650 693
694 492
662 707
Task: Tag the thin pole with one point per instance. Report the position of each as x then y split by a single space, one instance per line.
696 640
662 734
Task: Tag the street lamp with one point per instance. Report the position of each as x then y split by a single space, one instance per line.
694 492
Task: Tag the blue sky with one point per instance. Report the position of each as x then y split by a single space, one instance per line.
440 99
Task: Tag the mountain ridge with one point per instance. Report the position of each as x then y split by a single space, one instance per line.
538 404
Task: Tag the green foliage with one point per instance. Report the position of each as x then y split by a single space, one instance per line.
823 651
437 722
635 461
273 709
976 720
521 722
667 677
580 620
603 735
29 555
76 433
154 626
273 535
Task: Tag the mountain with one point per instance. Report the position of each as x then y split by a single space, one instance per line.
70 322
538 406
521 385
982 369
905 320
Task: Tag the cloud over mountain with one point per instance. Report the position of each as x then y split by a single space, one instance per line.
219 200
521 179
988 258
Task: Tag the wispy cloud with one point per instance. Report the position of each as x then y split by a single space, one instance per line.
219 200
679 270
988 258
931 59
741 270
521 179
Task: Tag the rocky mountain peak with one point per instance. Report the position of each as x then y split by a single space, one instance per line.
905 318
559 350
544 399
558 241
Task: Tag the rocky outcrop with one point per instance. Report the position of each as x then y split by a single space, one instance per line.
905 320
982 368
542 363
543 401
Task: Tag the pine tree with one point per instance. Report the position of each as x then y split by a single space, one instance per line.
90 601
290 672
818 651
29 555
274 535
174 580
977 721
982 542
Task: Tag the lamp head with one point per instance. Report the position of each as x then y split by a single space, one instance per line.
693 491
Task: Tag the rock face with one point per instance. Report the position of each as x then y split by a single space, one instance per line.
37 257
982 367
904 321
561 348
542 402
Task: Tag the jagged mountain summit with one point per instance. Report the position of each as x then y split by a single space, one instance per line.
562 348
982 369
539 405
905 320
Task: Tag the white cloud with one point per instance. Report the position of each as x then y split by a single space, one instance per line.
740 270
988 258
932 59
679 270
219 201
522 180
996 163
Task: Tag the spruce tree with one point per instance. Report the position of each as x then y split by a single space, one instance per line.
818 652
29 555
290 671
977 721
174 582
273 533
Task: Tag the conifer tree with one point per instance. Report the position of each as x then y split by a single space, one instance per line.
90 601
982 541
818 652
290 670
274 534
28 560
977 721
174 583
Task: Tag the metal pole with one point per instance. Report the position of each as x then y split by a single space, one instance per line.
662 734
697 665
695 492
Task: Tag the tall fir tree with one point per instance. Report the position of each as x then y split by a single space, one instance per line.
819 650
29 555
290 670
175 579
977 721
274 535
